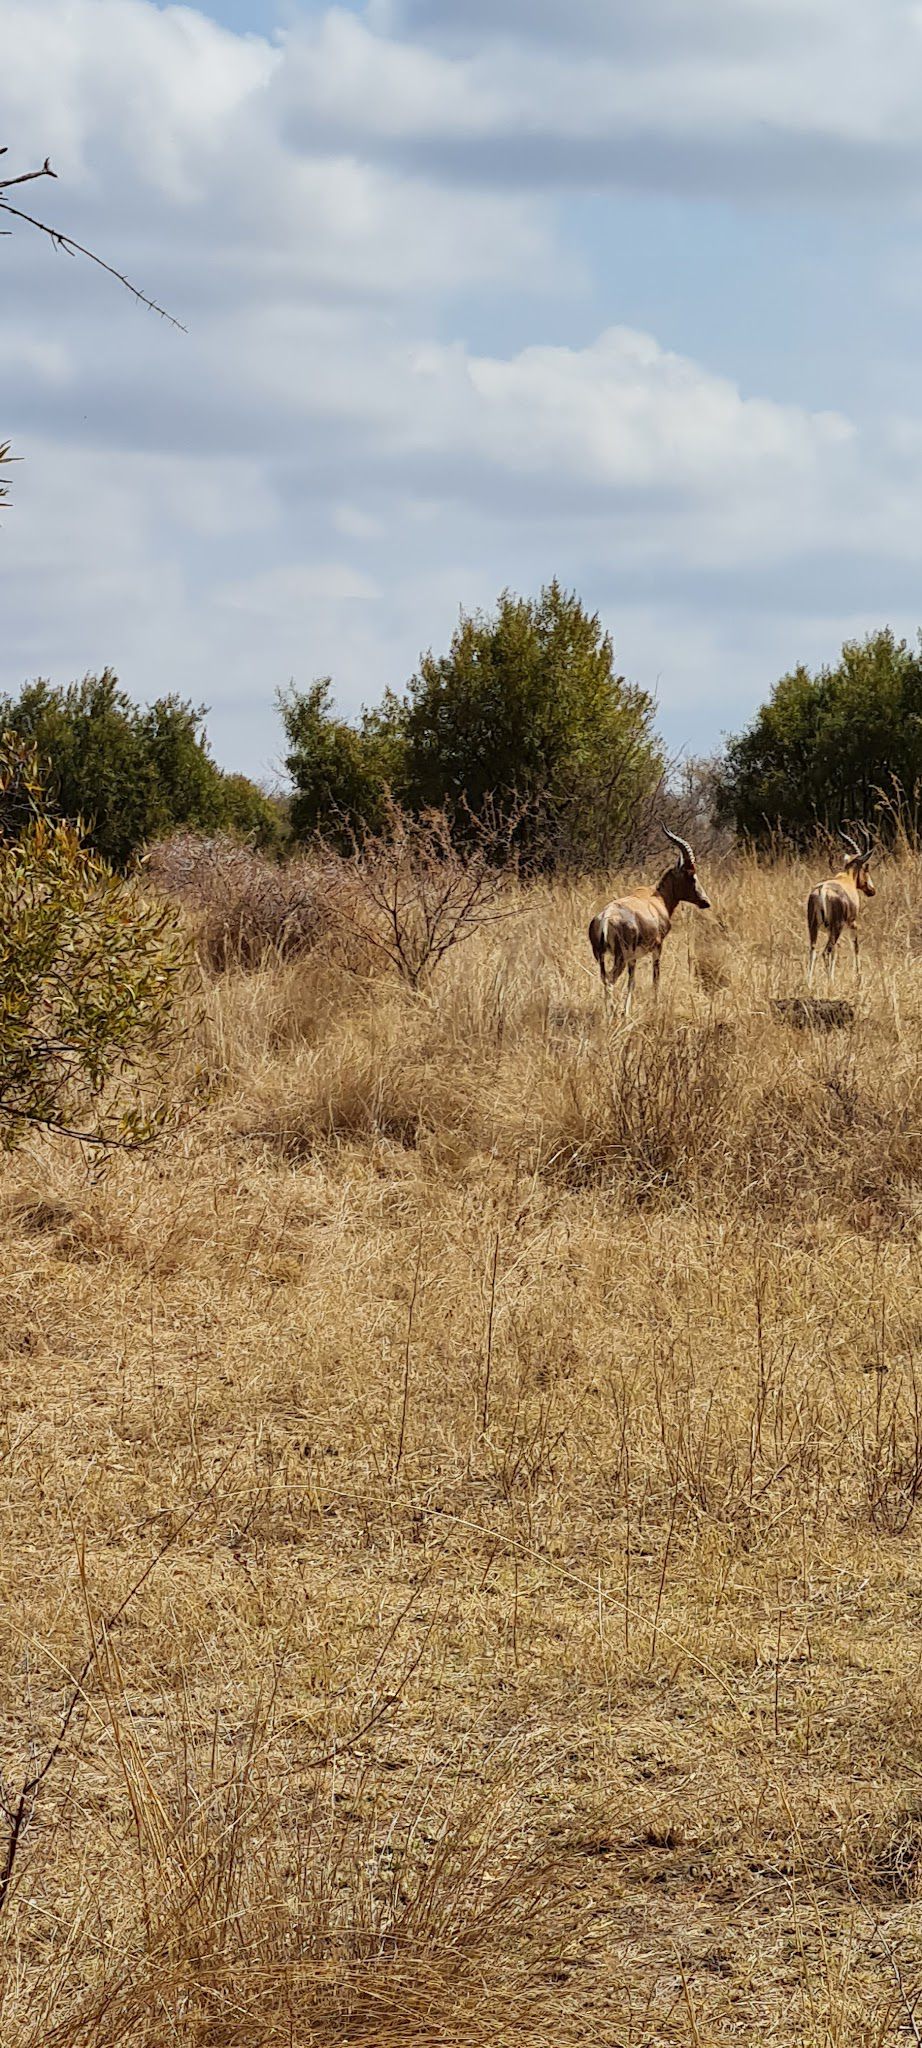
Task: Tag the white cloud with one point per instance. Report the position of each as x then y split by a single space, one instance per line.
292 588
323 471
825 68
119 78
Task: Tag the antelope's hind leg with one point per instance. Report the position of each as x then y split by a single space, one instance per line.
618 963
813 927
615 967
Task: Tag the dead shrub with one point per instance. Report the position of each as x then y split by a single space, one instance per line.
247 910
415 890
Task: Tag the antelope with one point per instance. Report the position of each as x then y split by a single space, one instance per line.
640 922
833 905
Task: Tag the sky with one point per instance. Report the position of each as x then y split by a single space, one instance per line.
475 295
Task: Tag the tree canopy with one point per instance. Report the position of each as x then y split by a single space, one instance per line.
825 746
525 707
342 773
131 774
528 703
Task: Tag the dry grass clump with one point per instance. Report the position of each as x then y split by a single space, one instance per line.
309 1918
510 1424
372 1076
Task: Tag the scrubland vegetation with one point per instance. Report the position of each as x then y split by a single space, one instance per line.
461 1495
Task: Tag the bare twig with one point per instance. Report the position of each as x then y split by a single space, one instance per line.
415 891
488 1348
59 240
102 1139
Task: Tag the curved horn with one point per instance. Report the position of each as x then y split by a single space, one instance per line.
868 840
850 842
687 855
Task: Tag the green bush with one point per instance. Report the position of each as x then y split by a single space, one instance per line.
525 712
342 773
527 705
90 973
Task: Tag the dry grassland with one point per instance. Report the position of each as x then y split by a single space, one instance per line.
519 1422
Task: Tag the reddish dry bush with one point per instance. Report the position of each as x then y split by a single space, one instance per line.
406 895
417 889
247 910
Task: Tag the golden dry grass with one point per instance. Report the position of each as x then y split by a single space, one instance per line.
528 1412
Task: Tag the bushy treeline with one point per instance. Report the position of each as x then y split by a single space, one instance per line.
844 743
526 710
131 775
524 713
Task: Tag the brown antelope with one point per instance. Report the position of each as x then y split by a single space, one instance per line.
640 922
832 906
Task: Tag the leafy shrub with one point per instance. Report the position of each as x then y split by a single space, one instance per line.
526 707
89 975
342 773
824 747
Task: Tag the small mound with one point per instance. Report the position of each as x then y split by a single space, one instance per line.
33 1213
812 1013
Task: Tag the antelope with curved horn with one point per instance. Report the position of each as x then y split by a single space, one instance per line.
640 922
832 906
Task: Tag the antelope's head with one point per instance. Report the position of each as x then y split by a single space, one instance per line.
687 886
857 864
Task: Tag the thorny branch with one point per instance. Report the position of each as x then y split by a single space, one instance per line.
67 244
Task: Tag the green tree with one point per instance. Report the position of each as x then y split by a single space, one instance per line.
527 703
92 756
130 775
249 813
823 746
184 781
90 973
342 773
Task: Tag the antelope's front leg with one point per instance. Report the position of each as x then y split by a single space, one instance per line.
657 963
